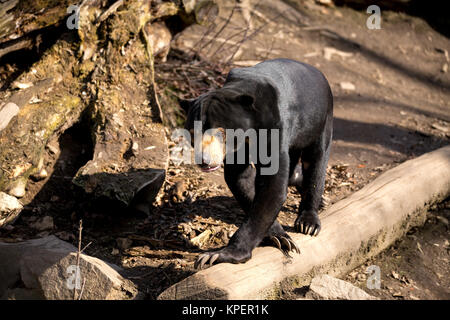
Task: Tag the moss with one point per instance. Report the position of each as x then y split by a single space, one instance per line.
39 122
55 10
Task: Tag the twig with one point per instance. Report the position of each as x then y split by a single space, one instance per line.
85 247
218 32
82 289
227 40
245 38
109 11
80 228
25 42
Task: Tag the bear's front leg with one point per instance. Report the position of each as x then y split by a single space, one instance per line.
270 194
314 162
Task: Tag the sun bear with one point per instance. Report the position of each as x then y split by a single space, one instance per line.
277 120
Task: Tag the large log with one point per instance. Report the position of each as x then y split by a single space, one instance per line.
18 18
354 229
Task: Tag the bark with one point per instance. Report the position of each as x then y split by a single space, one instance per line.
49 103
130 143
104 71
22 23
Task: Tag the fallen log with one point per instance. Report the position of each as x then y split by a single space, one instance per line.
353 230
24 20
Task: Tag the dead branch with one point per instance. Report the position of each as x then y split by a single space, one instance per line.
77 275
113 8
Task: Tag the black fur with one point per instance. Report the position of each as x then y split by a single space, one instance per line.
276 94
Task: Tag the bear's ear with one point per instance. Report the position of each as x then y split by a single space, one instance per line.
186 104
245 100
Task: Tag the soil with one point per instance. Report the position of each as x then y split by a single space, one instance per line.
415 267
398 110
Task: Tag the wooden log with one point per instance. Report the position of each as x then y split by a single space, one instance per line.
353 230
19 18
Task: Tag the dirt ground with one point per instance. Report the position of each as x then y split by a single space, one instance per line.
399 109
415 267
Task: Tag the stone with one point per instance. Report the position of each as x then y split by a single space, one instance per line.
325 287
10 208
46 269
160 37
347 86
17 188
45 223
7 112
40 175
328 3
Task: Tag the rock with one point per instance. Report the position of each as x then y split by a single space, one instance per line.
17 188
7 112
325 287
347 86
45 223
10 208
328 3
46 267
160 37
40 175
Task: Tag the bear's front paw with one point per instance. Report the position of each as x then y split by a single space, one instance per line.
285 244
308 223
227 254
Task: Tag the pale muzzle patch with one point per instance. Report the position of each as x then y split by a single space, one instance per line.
214 148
